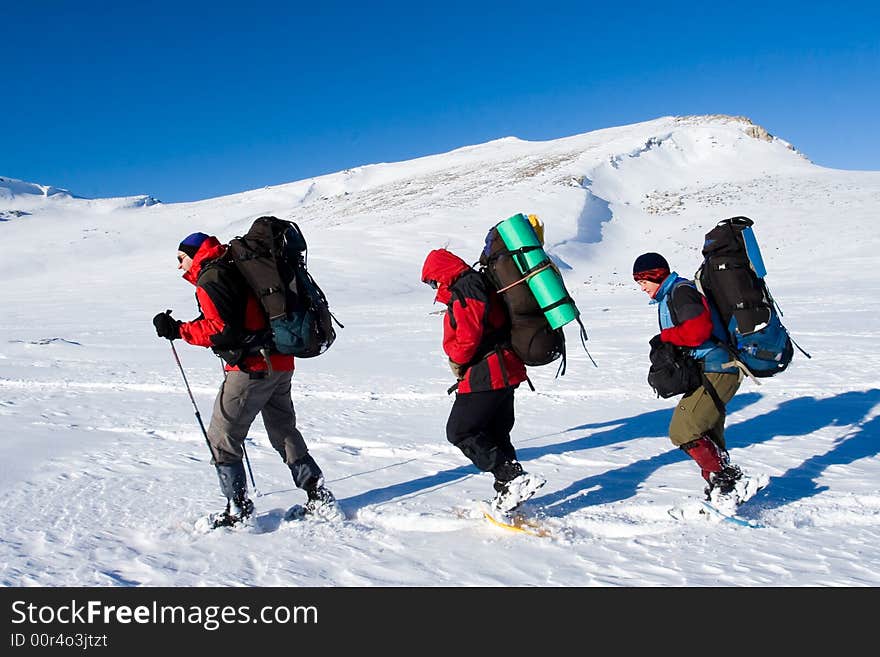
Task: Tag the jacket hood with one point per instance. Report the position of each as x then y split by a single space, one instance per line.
444 267
210 249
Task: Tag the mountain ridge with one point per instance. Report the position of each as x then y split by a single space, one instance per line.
12 188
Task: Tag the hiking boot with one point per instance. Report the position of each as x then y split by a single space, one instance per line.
513 493
505 472
322 504
725 480
744 488
236 513
722 489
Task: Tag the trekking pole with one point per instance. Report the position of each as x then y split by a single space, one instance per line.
199 417
247 462
191 398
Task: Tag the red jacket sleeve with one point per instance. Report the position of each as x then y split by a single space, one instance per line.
691 332
461 341
199 331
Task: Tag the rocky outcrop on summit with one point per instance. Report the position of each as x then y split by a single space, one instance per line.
750 128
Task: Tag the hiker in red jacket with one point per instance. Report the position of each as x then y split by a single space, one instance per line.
249 387
475 330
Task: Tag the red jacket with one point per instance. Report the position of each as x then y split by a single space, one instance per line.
203 330
689 312
474 312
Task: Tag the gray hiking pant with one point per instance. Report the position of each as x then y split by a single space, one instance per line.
696 413
236 407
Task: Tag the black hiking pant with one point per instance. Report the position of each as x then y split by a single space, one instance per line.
479 425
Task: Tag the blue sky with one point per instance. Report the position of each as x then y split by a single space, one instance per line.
191 100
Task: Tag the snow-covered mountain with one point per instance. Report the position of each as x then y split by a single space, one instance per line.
106 470
19 193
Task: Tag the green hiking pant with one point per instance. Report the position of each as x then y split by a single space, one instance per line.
696 414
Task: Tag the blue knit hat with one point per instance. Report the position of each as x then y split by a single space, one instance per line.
191 244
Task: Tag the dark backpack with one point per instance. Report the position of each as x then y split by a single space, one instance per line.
732 278
270 260
531 336
672 372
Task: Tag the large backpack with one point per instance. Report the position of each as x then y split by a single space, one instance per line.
732 278
532 337
271 259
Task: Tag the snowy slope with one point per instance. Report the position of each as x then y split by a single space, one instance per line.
106 471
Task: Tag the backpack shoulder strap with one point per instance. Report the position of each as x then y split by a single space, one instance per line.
217 272
710 389
470 284
681 282
477 284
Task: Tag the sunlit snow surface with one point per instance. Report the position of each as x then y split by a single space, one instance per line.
105 471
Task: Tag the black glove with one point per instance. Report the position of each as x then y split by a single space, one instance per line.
655 342
166 326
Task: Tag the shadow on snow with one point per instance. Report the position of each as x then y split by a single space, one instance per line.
796 417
